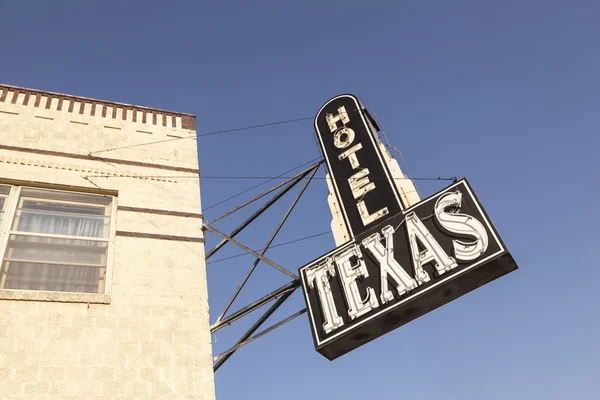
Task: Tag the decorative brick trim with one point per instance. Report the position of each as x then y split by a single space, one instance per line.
143 235
61 297
79 168
161 212
95 158
187 121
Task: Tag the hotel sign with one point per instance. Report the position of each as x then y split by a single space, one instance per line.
362 182
400 264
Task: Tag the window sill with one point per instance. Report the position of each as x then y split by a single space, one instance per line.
61 297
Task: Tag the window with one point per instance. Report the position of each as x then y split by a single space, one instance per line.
54 240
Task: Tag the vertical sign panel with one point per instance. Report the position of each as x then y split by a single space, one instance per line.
362 181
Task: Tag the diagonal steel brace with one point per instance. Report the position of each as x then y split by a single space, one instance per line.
262 209
254 328
266 247
254 253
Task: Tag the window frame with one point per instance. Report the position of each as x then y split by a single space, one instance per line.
4 204
11 206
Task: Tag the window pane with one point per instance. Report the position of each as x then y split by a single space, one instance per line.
41 263
40 276
53 219
54 250
52 212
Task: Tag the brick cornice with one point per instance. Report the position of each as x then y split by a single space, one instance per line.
140 114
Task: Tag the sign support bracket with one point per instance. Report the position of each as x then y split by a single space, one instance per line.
261 333
269 242
253 328
294 181
281 294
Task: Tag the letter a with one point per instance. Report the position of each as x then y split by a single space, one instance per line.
433 251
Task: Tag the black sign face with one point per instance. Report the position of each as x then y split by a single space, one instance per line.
406 265
362 182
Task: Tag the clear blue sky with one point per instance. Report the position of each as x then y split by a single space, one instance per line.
504 93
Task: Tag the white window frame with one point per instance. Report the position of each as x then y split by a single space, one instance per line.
4 204
11 205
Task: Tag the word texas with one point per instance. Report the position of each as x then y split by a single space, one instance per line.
347 263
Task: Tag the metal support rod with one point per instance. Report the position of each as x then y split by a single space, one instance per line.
266 247
254 328
255 254
259 334
259 211
249 250
262 194
289 287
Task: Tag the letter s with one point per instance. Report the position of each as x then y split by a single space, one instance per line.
462 224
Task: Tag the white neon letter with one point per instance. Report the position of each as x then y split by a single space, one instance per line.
351 156
368 218
388 264
333 119
343 138
320 275
461 224
360 183
349 273
433 251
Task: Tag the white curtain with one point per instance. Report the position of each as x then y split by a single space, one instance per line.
39 275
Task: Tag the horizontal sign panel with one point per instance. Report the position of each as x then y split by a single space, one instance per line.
405 266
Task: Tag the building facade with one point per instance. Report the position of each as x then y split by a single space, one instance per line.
103 290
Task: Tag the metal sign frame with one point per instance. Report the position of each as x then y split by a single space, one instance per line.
281 294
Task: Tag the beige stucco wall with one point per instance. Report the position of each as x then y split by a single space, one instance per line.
152 340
